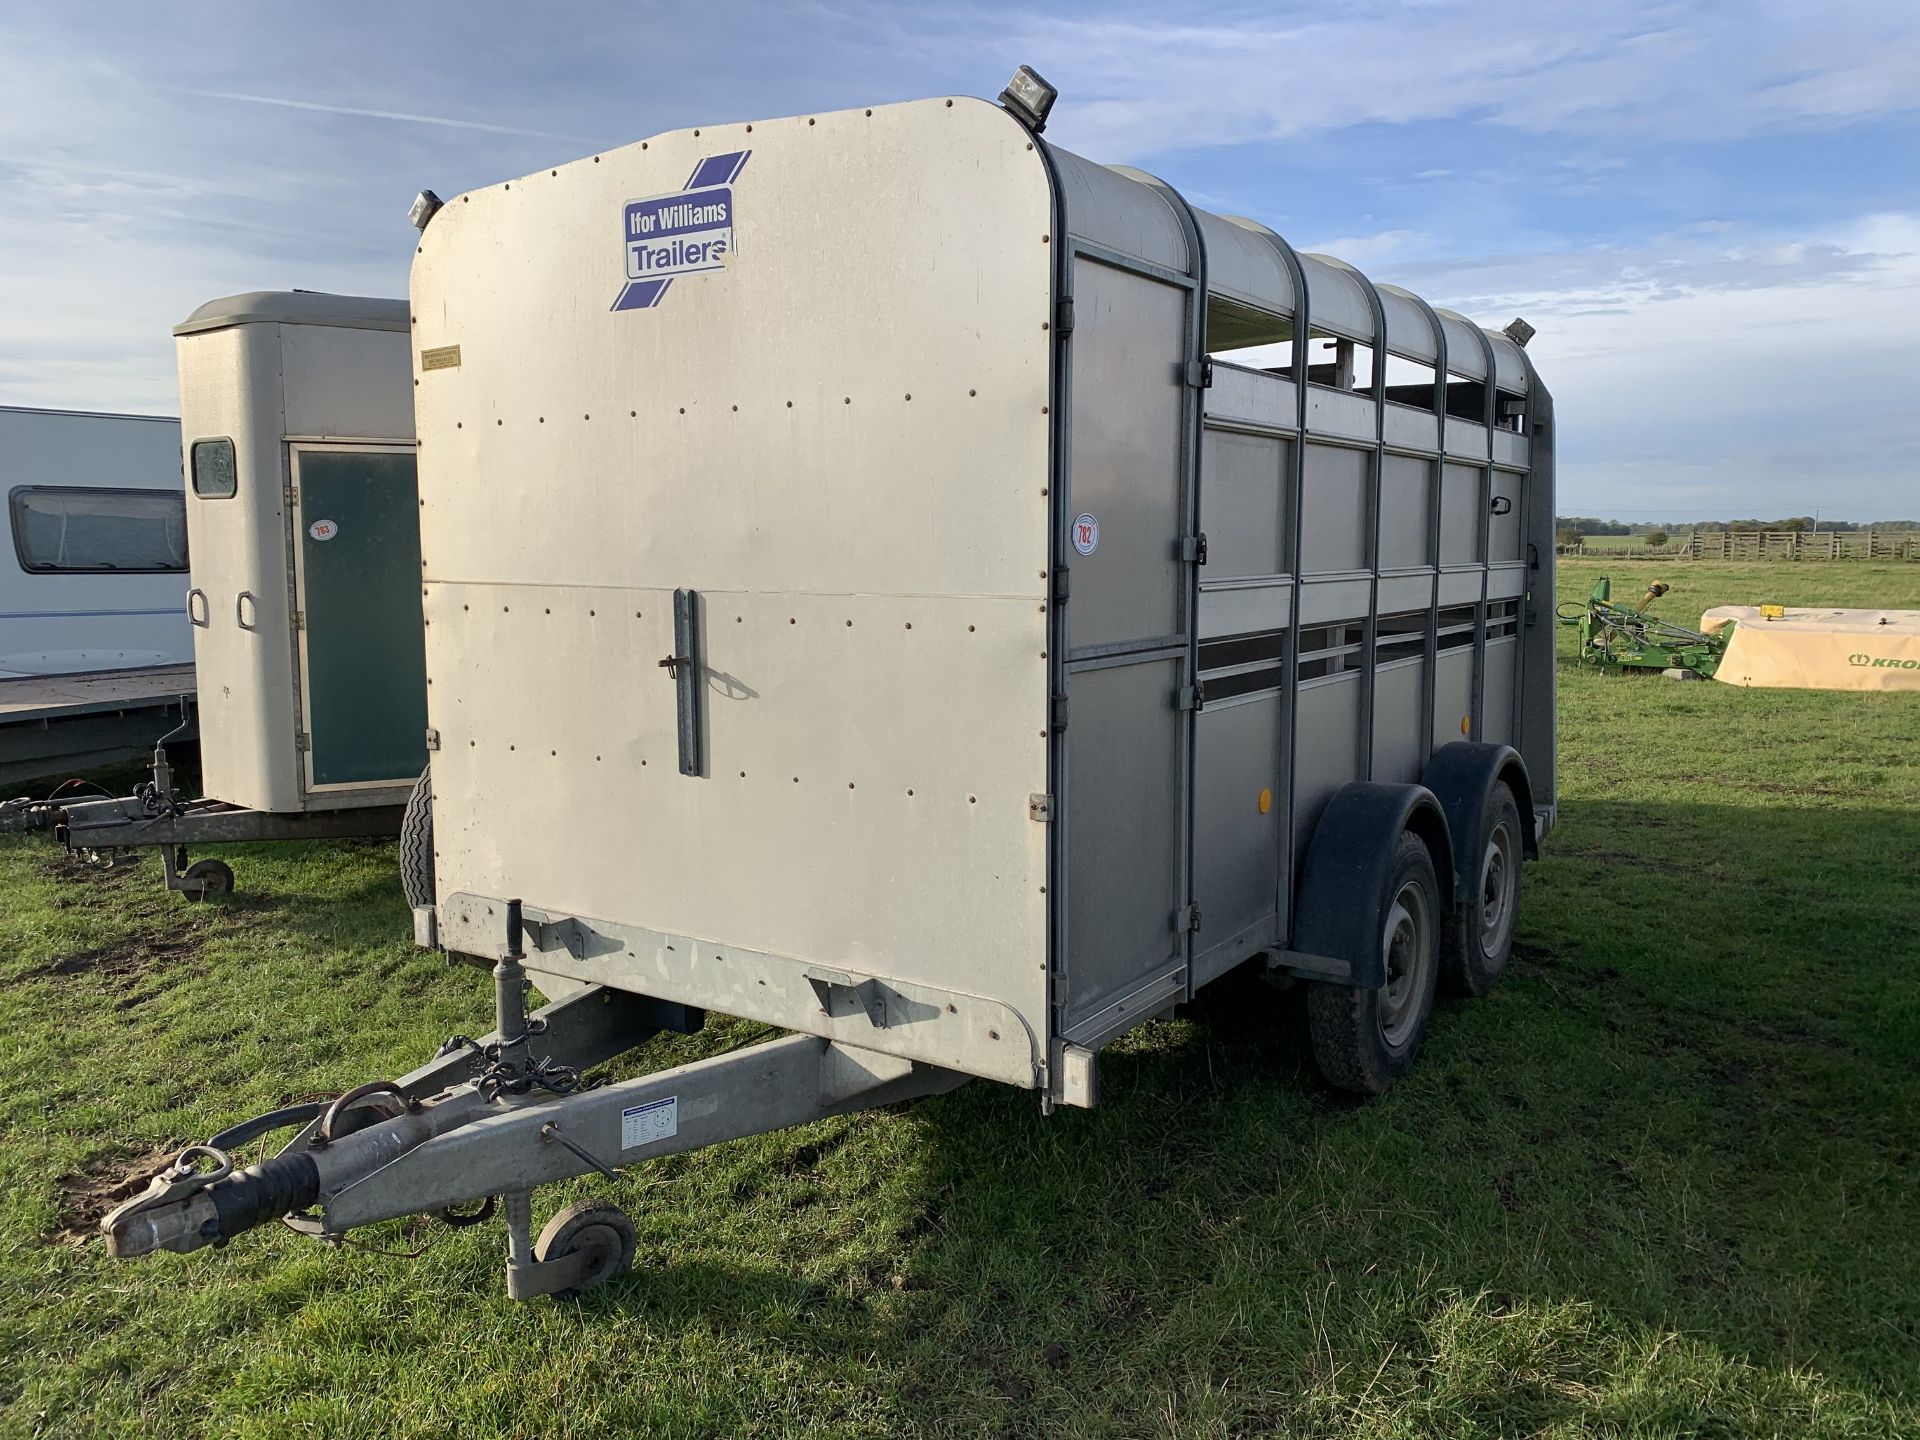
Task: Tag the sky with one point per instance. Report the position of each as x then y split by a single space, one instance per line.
1709 211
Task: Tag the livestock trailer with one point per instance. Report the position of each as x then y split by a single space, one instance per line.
303 508
96 566
889 577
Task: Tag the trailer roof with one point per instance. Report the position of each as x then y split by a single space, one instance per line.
1137 214
86 414
297 307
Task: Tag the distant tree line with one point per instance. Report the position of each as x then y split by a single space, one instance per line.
1588 525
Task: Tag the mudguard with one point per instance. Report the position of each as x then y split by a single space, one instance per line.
1462 775
1343 882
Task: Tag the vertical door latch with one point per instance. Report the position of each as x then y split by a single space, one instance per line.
684 669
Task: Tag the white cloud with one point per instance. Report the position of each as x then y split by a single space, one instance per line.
1135 83
1381 247
1720 371
363 113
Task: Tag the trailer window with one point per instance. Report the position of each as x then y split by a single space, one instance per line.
1411 382
215 476
1503 618
1400 637
1457 625
1243 664
73 529
1339 363
1241 335
1467 399
1331 649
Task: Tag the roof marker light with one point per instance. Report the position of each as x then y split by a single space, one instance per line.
1029 97
426 205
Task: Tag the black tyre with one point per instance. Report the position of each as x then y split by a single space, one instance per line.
204 878
416 843
1365 1039
1479 941
601 1229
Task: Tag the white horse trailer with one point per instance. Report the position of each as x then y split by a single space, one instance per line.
864 596
95 570
297 414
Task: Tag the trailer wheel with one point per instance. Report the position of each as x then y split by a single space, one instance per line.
601 1229
1480 939
206 877
416 843
1364 1038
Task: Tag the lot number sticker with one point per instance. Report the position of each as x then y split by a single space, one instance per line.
323 529
651 1123
1086 534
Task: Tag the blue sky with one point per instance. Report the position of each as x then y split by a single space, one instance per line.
1711 212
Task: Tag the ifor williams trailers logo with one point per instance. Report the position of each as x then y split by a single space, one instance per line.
683 233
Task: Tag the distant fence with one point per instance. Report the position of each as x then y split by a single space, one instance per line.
1766 545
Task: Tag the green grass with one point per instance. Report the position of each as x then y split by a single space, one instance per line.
1665 1181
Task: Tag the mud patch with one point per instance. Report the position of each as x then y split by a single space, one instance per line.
90 1192
74 871
123 965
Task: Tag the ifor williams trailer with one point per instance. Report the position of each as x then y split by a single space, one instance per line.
865 594
303 511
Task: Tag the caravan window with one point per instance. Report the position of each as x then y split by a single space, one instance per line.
214 476
63 529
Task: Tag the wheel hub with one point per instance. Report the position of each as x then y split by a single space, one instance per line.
1497 875
1406 948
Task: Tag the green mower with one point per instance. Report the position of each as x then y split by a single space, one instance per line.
1626 637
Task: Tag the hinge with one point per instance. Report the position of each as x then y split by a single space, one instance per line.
1193 549
1191 697
433 738
1040 807
1059 713
299 619
1063 316
303 741
1186 918
1061 586
1199 373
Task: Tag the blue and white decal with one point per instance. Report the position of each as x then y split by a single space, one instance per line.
683 233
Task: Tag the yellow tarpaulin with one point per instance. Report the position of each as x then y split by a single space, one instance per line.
1820 649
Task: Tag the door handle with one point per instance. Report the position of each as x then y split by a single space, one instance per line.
684 666
241 604
205 615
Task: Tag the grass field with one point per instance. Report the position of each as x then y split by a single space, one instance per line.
1665 1181
1676 539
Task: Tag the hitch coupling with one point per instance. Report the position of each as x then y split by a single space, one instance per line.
186 1207
189 1205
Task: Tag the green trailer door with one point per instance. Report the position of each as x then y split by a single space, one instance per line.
363 652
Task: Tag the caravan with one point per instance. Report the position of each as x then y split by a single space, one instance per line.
95 573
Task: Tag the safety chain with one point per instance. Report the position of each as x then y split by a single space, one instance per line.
500 1074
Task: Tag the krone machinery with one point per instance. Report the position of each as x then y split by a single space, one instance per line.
889 577
303 516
